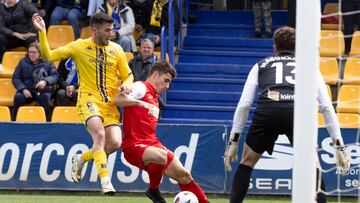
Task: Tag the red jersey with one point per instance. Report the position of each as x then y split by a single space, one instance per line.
139 123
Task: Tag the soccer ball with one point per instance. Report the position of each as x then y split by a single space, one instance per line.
185 197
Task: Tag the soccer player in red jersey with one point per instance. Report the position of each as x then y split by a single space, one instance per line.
140 145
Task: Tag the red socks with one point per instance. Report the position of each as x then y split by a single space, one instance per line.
195 188
156 172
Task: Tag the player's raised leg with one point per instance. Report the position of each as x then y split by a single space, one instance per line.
176 171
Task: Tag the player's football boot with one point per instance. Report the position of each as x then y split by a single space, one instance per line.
107 189
155 196
76 169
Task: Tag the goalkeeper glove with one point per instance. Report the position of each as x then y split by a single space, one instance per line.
342 161
231 153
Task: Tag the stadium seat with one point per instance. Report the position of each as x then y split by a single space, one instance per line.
18 49
352 71
329 91
331 8
7 92
329 70
5 114
65 114
321 121
349 99
349 120
355 44
31 114
137 34
60 35
332 43
158 54
10 61
129 55
85 32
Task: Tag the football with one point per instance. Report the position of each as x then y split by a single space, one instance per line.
185 197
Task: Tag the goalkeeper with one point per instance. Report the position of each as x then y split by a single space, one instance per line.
274 78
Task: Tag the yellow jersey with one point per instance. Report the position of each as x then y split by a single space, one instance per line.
98 66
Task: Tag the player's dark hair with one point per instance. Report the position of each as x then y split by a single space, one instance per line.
99 19
163 67
284 39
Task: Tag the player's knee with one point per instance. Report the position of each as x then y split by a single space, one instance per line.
184 177
162 157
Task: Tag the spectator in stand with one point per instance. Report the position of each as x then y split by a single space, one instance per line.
16 28
262 8
33 79
155 16
141 64
94 5
350 20
124 23
74 11
68 83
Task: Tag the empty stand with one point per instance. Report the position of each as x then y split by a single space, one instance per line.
332 43
5 114
355 44
31 114
66 114
349 99
329 70
352 71
60 35
10 61
7 92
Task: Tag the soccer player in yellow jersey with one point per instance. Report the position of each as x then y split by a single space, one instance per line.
99 62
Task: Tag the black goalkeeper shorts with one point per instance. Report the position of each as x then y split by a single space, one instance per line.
268 123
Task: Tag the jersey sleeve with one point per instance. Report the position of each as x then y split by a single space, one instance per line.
56 54
326 108
247 98
138 90
124 69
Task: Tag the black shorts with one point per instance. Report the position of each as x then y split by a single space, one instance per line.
268 123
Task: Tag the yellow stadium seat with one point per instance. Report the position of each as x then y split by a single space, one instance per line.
349 99
85 32
352 71
355 44
10 61
158 54
137 34
31 114
18 49
321 121
331 8
60 35
329 91
5 114
65 114
332 43
349 120
329 70
7 92
129 55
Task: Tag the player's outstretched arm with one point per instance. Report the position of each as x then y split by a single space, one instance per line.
123 100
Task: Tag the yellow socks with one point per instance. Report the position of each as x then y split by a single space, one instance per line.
87 156
101 161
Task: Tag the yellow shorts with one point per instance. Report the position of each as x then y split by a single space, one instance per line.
88 106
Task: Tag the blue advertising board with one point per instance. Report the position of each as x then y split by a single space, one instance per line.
38 156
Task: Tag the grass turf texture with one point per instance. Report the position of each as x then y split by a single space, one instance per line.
8 196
